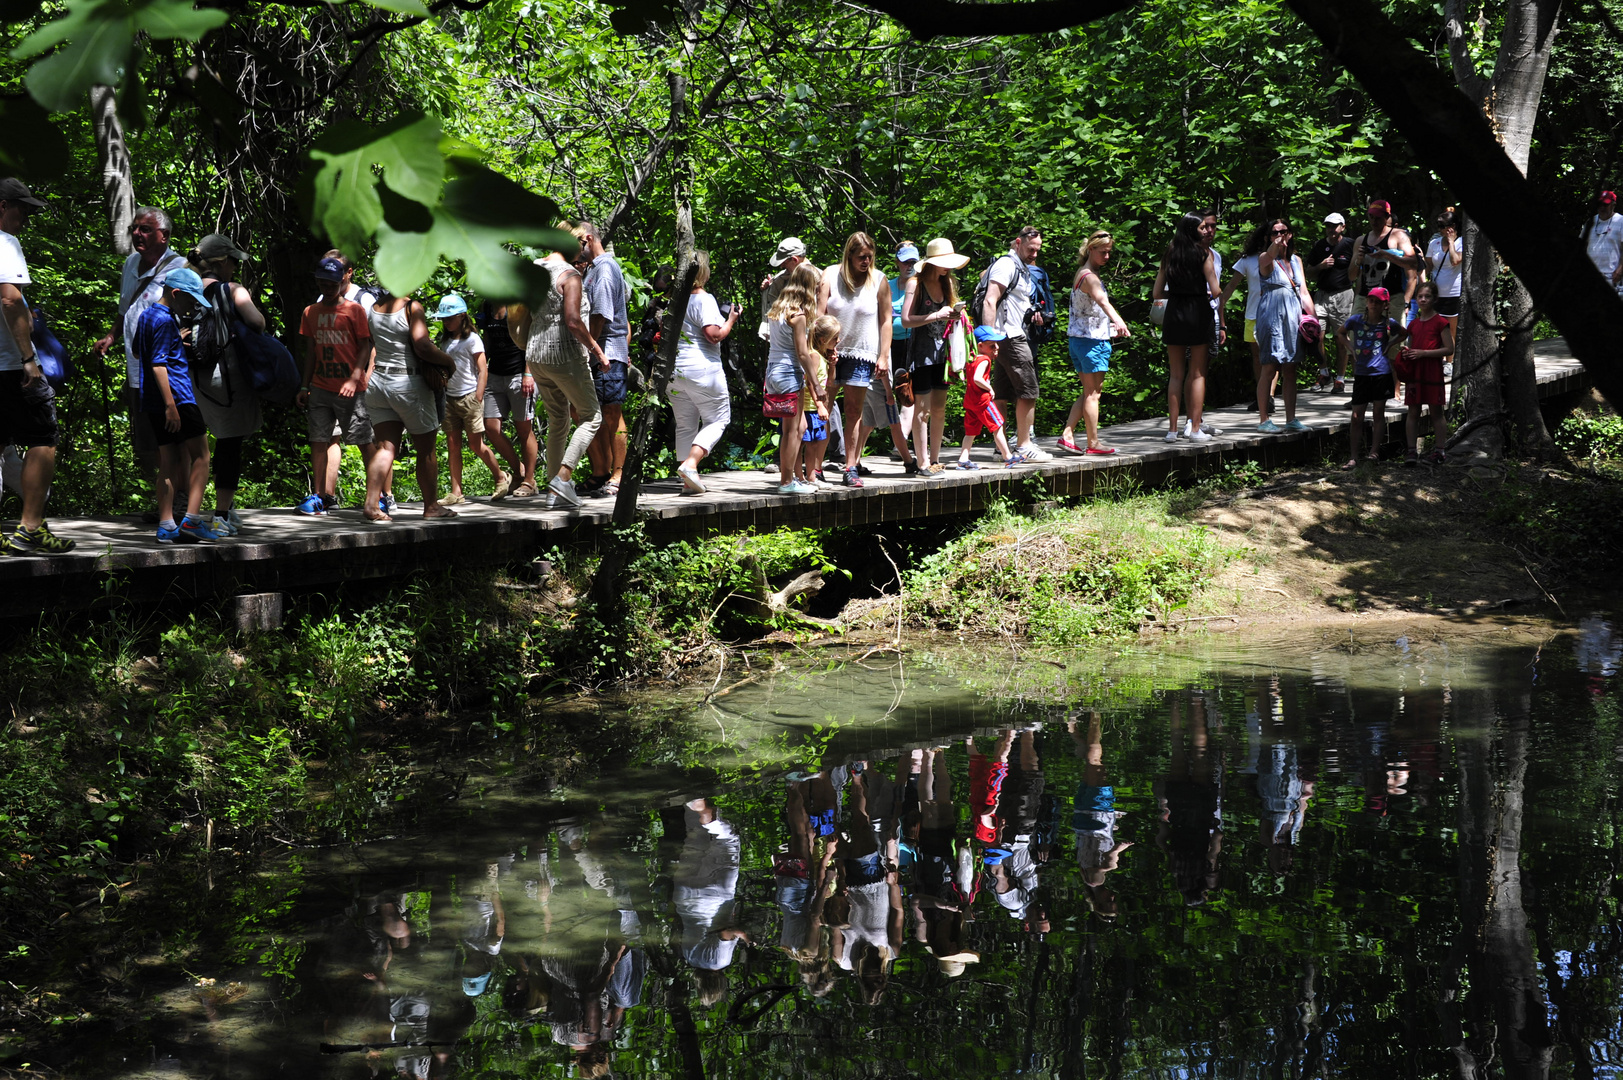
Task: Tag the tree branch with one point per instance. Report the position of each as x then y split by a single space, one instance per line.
929 19
1466 75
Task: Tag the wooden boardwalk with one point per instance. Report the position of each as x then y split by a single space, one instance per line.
280 550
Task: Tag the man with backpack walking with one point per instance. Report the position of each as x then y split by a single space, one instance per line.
1009 305
27 403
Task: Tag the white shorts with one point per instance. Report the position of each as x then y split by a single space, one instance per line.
402 399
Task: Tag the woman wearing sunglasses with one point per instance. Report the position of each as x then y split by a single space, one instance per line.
1280 307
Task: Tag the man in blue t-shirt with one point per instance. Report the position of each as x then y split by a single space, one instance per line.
1372 339
170 406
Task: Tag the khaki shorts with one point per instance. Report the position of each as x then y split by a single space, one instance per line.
1334 308
876 412
1015 375
465 414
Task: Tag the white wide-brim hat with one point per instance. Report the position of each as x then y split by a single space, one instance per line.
939 252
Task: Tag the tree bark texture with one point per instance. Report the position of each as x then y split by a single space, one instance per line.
114 155
1447 132
1477 385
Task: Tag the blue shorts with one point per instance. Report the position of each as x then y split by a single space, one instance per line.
852 371
611 384
816 429
1089 356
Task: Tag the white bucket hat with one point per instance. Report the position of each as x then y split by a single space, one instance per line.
938 252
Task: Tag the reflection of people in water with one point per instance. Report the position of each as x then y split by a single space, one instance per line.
1190 799
1020 849
868 939
706 882
944 879
800 874
1093 819
1283 778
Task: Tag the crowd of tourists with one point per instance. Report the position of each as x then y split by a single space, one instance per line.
850 349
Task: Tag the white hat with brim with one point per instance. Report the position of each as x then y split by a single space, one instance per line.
939 252
956 964
1334 219
788 248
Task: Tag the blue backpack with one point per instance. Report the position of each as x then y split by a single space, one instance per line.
53 355
1042 303
268 364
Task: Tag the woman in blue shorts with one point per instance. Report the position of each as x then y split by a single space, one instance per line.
1093 323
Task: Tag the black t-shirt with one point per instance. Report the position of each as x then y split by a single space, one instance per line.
1335 279
502 354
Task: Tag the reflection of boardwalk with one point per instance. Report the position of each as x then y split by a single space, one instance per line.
280 550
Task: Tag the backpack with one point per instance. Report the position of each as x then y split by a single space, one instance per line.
977 302
51 353
1042 303
268 365
211 331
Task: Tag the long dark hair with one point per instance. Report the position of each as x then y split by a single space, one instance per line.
1185 259
1265 236
1256 240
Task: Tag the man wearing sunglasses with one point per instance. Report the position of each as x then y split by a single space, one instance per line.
1385 258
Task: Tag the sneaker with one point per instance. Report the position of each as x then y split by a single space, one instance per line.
196 531
796 487
168 535
911 468
690 479
1070 444
1172 436
1102 451
552 501
1211 429
225 523
1268 427
1340 387
933 472
853 478
1411 459
968 466
314 506
563 490
456 498
1033 452
330 502
1297 425
387 503
39 542
1201 436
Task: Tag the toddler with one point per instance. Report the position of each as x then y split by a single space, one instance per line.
980 411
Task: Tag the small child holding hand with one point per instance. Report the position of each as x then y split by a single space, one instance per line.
980 411
1373 339
824 338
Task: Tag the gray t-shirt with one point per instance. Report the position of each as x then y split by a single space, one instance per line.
606 289
1010 272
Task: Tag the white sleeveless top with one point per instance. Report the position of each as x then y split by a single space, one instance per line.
1088 319
391 337
858 315
780 343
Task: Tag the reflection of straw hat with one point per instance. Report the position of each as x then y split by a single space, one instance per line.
939 252
954 965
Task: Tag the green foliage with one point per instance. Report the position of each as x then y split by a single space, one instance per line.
1592 436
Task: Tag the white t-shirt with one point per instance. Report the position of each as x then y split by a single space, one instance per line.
1443 271
464 351
1606 243
694 351
1247 265
13 271
1217 271
138 290
1009 271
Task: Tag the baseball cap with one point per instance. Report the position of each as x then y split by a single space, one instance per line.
788 248
328 270
218 246
989 333
907 253
450 304
1386 207
1605 196
14 190
1380 294
186 281
1334 219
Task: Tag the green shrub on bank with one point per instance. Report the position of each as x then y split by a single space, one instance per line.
1106 567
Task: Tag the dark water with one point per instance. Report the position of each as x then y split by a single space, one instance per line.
1351 857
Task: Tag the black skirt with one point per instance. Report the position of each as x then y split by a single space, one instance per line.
1189 320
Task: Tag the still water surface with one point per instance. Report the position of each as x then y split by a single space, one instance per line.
1345 856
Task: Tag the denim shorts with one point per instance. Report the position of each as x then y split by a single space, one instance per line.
1089 356
611 384
853 371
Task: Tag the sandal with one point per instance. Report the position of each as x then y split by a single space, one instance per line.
1351 465
444 512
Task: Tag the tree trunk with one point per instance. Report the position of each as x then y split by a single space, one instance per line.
1521 376
114 154
1476 355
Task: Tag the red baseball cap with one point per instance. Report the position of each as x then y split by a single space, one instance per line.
1608 196
1379 293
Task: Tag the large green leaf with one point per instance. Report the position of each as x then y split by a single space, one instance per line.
177 19
96 39
345 160
402 7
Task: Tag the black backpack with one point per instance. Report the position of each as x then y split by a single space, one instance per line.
211 331
977 302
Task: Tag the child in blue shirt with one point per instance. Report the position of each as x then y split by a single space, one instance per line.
1373 339
170 405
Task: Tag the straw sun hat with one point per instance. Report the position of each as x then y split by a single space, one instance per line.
938 252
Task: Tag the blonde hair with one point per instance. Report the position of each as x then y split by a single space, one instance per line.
799 293
854 245
1099 239
701 259
824 334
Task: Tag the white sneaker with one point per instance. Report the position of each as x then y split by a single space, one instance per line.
1033 452
690 479
1211 429
1183 432
563 491
1201 436
1172 436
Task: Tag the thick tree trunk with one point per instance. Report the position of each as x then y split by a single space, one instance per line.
114 154
1476 358
1521 376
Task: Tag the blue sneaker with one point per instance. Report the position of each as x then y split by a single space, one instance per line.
169 535
312 506
386 503
1268 427
195 531
1297 425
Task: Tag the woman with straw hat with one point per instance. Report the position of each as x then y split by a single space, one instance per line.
930 305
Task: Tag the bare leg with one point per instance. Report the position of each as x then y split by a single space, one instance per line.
385 441
196 463
1265 393
453 458
428 475
39 466
1197 386
1175 377
854 397
1024 409
323 468
1287 383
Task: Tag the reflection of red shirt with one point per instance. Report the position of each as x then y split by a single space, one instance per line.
335 332
985 786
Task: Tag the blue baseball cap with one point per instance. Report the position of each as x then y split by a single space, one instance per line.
328 270
989 333
907 253
186 281
450 304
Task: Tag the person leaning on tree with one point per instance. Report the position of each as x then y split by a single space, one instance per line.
27 402
140 286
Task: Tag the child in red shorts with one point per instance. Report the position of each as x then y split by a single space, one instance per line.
1430 340
980 412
